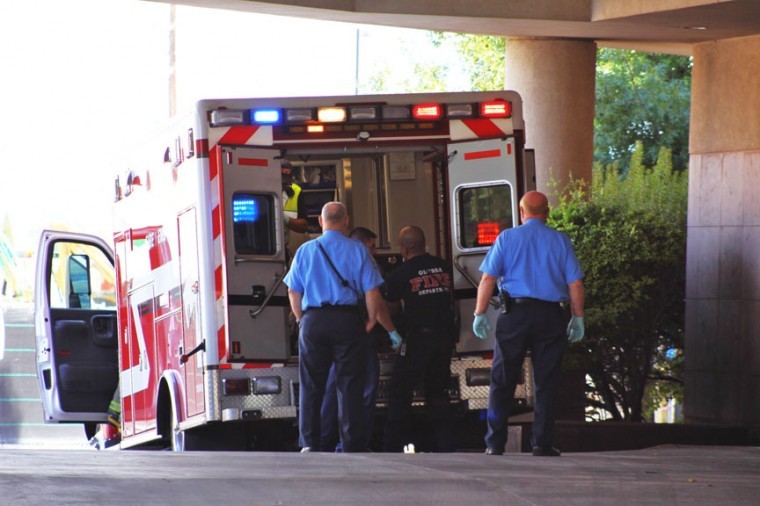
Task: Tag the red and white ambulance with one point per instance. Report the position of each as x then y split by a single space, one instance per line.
185 310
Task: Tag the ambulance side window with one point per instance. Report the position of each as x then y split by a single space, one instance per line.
253 224
484 211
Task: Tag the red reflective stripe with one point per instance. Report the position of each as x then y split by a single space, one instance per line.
264 365
201 148
478 155
213 164
218 281
253 162
221 342
216 222
483 127
238 135
509 149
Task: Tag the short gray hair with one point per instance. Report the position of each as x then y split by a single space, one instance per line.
334 212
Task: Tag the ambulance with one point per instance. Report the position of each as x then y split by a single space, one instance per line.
183 315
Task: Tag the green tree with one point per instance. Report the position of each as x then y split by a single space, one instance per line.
479 57
630 236
641 97
482 57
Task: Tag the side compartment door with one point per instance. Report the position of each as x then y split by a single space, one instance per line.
255 254
483 192
191 315
76 335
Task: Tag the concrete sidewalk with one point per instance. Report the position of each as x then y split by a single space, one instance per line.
662 475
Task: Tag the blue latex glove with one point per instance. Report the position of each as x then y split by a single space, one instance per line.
575 329
480 326
395 339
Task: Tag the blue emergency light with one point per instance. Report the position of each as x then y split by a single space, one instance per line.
244 209
266 116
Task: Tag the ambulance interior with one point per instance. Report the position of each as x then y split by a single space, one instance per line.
383 192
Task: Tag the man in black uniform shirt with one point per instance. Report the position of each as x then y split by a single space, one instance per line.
423 284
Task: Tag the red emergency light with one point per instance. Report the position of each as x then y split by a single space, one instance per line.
488 231
426 111
496 109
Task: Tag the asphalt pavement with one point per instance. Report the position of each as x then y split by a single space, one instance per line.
663 475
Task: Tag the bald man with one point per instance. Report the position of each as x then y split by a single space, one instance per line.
423 284
536 269
330 276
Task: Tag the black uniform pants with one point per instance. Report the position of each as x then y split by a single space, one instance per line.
330 336
539 327
426 355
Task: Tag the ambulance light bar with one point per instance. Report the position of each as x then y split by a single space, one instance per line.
496 109
228 117
362 113
308 117
426 111
331 114
266 116
396 112
460 110
292 115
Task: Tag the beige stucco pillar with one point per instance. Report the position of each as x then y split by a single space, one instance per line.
722 363
556 79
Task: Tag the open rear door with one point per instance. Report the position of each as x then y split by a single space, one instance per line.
255 255
483 191
75 327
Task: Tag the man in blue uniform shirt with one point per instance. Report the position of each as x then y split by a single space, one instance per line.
330 438
325 283
538 269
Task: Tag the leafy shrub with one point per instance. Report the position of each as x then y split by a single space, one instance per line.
630 237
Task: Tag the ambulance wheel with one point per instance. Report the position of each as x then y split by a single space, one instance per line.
181 440
178 437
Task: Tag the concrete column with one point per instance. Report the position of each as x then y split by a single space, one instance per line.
556 80
722 363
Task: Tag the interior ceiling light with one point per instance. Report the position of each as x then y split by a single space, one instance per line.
694 28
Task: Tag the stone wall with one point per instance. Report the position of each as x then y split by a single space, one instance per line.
722 376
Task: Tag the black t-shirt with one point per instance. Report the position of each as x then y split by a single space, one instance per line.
424 284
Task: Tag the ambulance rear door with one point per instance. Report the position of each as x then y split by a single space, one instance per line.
255 255
483 194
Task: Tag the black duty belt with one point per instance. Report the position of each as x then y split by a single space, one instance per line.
531 300
345 308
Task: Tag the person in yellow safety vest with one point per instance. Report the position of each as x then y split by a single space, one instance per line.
293 210
114 411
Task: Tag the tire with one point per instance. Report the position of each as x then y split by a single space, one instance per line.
177 437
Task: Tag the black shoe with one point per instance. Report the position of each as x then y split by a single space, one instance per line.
545 451
494 451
